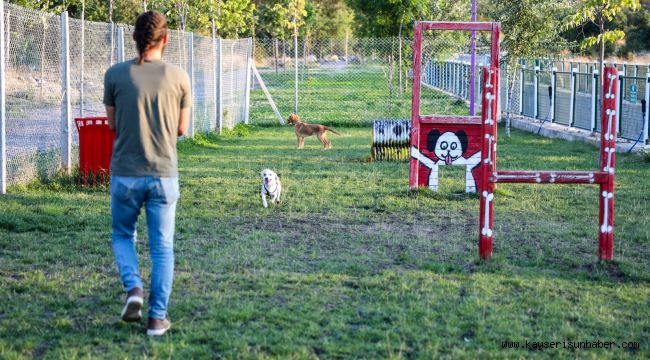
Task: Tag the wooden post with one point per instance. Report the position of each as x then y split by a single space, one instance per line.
488 159
415 103
609 115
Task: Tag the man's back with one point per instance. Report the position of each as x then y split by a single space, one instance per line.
147 100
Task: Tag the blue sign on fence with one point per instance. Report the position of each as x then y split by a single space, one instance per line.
633 94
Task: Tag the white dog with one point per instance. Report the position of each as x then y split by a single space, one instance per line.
270 186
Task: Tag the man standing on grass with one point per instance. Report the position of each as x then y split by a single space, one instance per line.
148 106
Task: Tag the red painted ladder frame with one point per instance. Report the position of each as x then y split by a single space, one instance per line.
604 177
490 175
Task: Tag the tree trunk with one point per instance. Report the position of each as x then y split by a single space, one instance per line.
601 57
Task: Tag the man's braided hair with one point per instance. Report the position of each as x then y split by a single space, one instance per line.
150 29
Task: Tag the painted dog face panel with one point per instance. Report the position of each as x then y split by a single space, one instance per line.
444 145
449 146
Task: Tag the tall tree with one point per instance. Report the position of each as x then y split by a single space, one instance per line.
600 13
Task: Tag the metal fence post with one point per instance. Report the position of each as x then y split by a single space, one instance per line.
82 70
521 90
112 59
553 88
503 72
66 106
3 118
535 93
247 93
572 101
190 73
594 97
646 122
120 44
619 104
219 83
295 65
456 78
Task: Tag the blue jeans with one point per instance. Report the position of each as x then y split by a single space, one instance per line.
159 196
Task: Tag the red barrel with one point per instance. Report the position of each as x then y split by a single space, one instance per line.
95 149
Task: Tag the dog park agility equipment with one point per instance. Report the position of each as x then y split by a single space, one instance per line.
433 136
95 149
390 140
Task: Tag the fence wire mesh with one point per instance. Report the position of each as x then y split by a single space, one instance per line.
339 81
447 66
234 74
33 93
204 108
35 90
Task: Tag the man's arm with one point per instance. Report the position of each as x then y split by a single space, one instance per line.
110 115
184 121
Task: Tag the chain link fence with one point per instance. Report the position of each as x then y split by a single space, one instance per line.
35 92
355 81
339 82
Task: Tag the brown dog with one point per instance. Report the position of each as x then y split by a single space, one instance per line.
303 130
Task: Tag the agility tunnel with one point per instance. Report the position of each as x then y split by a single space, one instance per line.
391 140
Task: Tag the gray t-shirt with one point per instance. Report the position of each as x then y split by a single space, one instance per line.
147 100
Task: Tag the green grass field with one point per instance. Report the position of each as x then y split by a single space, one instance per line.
351 264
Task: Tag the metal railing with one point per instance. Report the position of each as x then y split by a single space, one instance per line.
568 95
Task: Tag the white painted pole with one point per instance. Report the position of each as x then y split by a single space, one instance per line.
594 98
66 106
120 44
295 90
295 65
3 104
247 93
535 93
83 48
219 80
190 73
619 103
572 101
231 103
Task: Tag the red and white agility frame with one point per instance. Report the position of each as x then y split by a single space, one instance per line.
486 173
